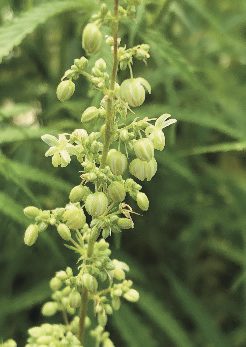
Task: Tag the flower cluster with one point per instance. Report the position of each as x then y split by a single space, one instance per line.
97 206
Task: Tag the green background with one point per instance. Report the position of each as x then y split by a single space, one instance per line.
187 254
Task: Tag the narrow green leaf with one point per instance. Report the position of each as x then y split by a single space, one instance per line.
197 311
226 250
31 297
10 208
12 134
222 147
131 328
13 33
164 320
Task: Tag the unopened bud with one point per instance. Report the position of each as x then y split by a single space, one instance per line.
31 212
142 201
90 283
132 90
102 318
90 115
55 283
132 295
116 191
91 38
143 169
117 162
78 193
158 139
65 90
116 302
49 308
125 223
64 232
108 343
74 299
144 149
31 235
74 217
96 204
100 64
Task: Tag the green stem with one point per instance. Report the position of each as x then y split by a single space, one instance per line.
110 108
106 144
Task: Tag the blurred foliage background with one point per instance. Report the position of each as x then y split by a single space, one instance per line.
188 252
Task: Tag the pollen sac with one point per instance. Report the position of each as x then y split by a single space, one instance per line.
143 169
142 201
74 217
91 39
144 149
65 90
31 235
117 162
133 92
90 115
116 191
49 308
96 204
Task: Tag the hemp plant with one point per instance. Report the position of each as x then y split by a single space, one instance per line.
97 207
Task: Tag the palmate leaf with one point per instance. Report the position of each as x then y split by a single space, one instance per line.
13 33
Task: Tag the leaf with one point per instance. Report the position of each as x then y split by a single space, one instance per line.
12 134
13 33
196 311
10 208
36 175
164 319
221 147
23 301
133 331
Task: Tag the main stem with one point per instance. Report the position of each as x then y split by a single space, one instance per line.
108 132
110 105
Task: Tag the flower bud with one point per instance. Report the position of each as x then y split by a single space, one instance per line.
144 149
81 63
132 90
78 193
91 38
90 283
55 283
158 139
65 90
125 223
132 295
143 169
117 162
61 275
116 302
49 308
31 235
96 204
42 227
108 343
100 64
31 212
102 318
91 114
116 191
74 217
142 201
64 232
35 331
74 299
119 274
